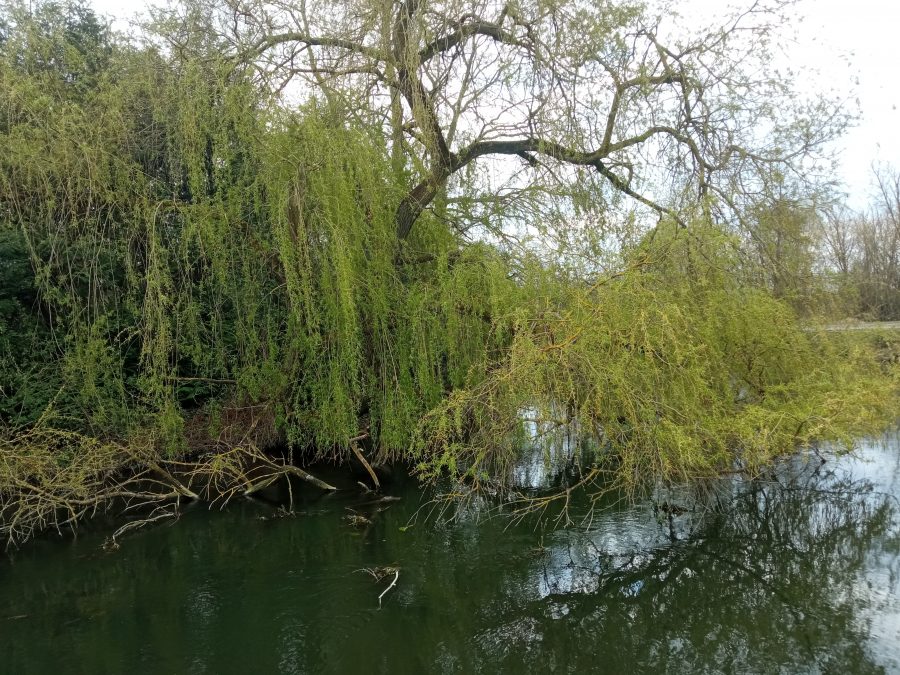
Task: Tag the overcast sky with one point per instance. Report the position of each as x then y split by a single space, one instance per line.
855 44
851 47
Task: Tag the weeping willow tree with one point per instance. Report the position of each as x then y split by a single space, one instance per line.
194 249
673 369
196 271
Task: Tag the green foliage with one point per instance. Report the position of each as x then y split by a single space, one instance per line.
28 381
184 231
781 237
678 372
172 237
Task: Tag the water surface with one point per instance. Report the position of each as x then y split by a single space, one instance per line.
796 573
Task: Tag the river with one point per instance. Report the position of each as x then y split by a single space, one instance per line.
797 572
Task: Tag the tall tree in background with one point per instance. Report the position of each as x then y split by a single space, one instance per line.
781 237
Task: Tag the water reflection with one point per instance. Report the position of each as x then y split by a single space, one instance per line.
795 573
549 448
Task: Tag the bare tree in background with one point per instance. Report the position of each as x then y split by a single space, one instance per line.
780 235
838 241
878 235
861 250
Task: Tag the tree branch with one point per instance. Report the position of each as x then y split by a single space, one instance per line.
465 29
270 41
422 194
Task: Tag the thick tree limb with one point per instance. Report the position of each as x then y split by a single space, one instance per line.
532 74
465 29
423 193
270 41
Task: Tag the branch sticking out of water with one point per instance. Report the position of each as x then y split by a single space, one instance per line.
379 573
158 513
368 467
393 583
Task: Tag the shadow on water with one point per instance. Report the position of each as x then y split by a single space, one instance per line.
794 573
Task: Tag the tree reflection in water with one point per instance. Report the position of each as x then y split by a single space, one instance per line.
788 577
796 573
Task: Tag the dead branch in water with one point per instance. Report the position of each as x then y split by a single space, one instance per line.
379 573
362 459
393 583
51 479
159 513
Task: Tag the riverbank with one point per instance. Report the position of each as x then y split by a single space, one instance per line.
52 478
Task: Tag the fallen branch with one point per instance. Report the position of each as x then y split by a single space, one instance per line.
308 477
386 499
113 543
175 483
260 485
359 456
39 492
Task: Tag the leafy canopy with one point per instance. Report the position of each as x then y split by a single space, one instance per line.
179 240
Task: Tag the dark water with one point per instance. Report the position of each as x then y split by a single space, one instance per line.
795 574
